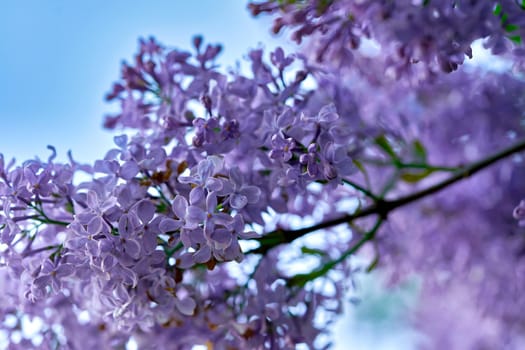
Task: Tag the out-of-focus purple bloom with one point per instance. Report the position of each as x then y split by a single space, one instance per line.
279 59
241 194
51 275
145 246
310 160
93 215
202 175
282 148
519 213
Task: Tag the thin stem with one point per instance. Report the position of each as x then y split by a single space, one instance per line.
383 207
163 196
390 184
301 279
361 189
39 250
46 220
427 167
401 165
25 217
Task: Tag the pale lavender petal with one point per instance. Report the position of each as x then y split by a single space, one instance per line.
125 226
221 238
248 235
121 140
202 255
186 306
214 184
128 170
64 270
95 225
238 201
328 114
197 196
169 225
211 201
252 193
92 199
108 263
194 216
179 206
285 119
145 211
185 261
236 176
132 247
149 242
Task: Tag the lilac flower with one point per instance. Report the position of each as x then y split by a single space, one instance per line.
230 130
279 60
51 274
519 213
203 173
242 87
209 216
81 239
148 246
241 194
179 207
337 162
93 216
39 184
282 148
310 160
406 30
207 131
127 228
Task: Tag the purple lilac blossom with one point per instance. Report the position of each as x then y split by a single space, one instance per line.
150 246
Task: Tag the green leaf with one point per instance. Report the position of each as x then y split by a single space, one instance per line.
162 208
373 264
300 280
312 251
384 144
322 5
419 151
516 39
360 166
69 208
497 9
511 27
416 177
362 169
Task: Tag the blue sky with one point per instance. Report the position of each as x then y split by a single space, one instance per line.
58 59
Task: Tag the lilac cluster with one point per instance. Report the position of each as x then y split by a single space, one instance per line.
176 236
418 38
143 243
464 241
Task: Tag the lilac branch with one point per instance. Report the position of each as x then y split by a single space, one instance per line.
383 207
301 279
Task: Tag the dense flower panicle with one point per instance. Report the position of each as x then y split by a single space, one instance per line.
457 238
415 37
154 244
127 245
